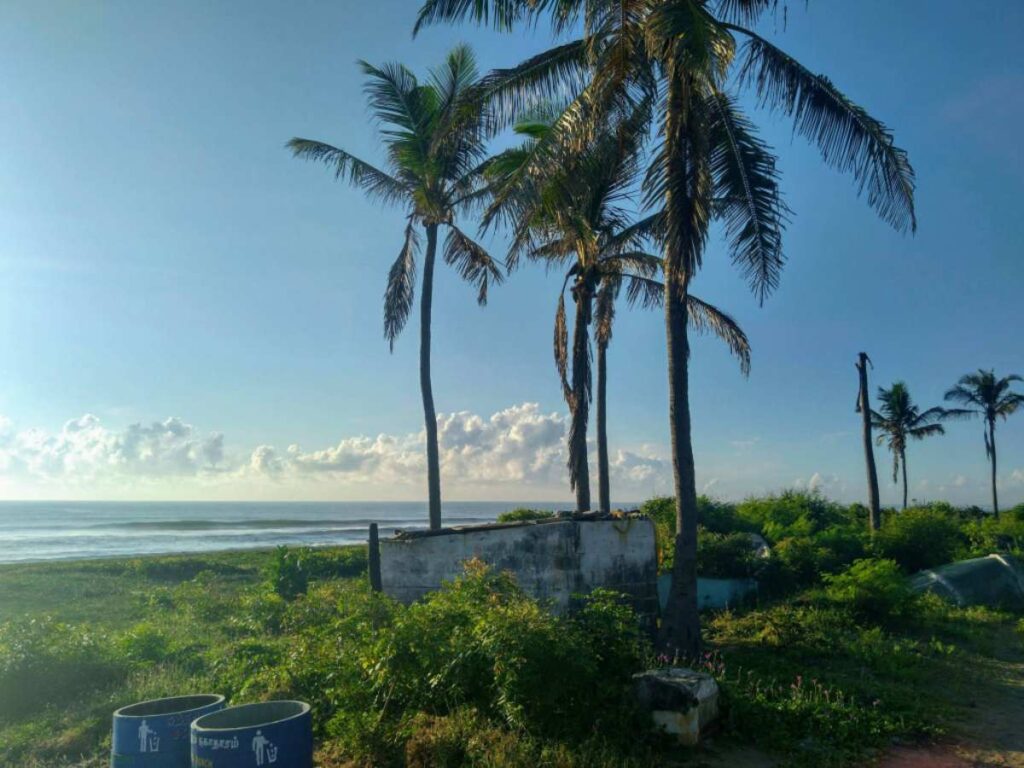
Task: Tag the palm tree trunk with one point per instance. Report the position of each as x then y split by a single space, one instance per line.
603 488
992 444
680 625
864 406
681 622
426 389
903 463
579 470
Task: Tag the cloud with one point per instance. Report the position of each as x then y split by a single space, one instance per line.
85 449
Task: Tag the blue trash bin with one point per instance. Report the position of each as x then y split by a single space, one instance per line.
155 734
271 734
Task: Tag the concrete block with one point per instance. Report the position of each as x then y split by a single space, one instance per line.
681 702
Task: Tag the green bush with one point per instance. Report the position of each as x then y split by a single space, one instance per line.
287 574
525 514
144 642
793 514
920 538
713 516
43 661
726 556
871 588
335 563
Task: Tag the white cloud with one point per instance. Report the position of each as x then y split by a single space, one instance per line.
84 449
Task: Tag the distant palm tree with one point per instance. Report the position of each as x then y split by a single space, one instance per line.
689 57
568 209
989 397
900 420
435 136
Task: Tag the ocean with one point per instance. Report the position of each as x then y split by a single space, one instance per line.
45 530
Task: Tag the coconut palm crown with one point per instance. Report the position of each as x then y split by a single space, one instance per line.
434 134
990 398
900 420
689 58
574 213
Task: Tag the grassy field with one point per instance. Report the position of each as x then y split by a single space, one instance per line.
479 674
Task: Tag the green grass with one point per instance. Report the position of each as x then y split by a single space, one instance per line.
465 679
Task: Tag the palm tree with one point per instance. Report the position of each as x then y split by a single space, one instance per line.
688 57
864 409
988 397
900 420
435 138
573 214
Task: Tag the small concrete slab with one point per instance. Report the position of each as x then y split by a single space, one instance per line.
681 701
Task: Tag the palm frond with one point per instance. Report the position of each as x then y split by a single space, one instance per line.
604 309
926 430
746 11
561 346
848 137
555 76
473 263
643 291
360 174
502 14
706 318
638 262
401 288
747 189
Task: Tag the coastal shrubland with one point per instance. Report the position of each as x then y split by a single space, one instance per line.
834 660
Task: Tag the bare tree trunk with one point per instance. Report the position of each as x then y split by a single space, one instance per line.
604 486
864 408
903 463
680 624
579 470
429 414
992 450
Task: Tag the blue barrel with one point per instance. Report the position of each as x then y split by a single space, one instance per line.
272 734
155 734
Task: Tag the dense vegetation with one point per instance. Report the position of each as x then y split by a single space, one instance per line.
836 658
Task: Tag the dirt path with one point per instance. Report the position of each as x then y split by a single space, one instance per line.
991 732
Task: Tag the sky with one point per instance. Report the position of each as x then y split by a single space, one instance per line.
187 312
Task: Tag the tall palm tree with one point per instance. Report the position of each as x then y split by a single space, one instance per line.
574 214
689 57
435 137
899 420
989 398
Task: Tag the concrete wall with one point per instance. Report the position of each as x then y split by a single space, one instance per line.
551 560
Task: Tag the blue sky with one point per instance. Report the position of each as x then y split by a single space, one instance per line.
188 312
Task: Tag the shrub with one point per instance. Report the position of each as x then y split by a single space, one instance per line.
479 642
712 515
43 661
286 574
524 514
871 588
144 642
792 513
920 538
726 555
334 563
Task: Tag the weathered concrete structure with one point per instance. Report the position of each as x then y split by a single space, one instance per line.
551 560
680 701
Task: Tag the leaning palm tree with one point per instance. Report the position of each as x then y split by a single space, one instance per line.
435 138
900 420
989 398
689 57
573 214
